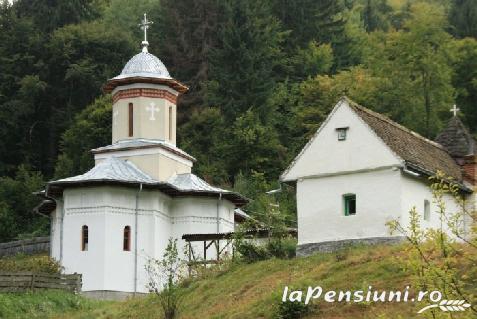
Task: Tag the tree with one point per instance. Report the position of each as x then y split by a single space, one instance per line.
90 129
16 205
465 80
186 35
245 63
164 279
463 18
414 65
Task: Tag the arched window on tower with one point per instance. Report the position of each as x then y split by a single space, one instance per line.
131 119
84 238
170 123
127 238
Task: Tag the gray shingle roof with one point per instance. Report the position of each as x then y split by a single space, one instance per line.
415 150
144 64
456 139
189 182
142 143
114 170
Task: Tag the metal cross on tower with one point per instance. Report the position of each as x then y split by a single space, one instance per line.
454 110
145 24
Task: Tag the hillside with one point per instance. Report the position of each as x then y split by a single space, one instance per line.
251 290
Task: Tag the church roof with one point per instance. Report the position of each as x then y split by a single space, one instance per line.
189 182
142 143
144 64
418 152
115 171
456 139
111 169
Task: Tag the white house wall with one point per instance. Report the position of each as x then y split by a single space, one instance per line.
321 207
414 192
361 150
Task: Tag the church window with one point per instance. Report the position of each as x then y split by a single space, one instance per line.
349 201
170 122
127 238
84 238
131 119
427 210
342 132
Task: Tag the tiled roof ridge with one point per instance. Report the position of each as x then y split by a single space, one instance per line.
395 124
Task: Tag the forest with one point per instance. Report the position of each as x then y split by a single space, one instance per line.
263 75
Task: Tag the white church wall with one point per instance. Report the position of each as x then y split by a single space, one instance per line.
85 207
55 230
361 150
321 206
195 215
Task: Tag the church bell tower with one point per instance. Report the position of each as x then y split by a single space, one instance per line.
144 115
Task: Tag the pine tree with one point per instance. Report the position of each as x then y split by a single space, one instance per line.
244 66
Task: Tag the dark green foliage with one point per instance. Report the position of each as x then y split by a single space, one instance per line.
292 310
16 206
244 65
463 18
263 76
91 128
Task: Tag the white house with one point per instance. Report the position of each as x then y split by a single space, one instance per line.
361 170
106 223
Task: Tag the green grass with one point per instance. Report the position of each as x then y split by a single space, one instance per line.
253 290
43 304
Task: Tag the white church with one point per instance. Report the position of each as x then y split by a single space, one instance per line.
109 221
361 170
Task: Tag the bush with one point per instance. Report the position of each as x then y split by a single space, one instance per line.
35 263
292 310
283 248
251 252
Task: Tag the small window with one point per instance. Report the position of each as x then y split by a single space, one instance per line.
427 210
342 132
131 120
349 204
84 238
127 238
170 123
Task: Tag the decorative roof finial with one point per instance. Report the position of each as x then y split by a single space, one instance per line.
454 110
144 26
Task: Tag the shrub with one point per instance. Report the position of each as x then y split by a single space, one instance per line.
251 252
34 263
284 248
292 310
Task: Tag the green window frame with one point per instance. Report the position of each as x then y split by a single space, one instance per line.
349 204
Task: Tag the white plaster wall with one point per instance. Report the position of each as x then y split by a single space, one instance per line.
55 230
85 207
414 192
144 126
195 215
321 212
362 149
107 210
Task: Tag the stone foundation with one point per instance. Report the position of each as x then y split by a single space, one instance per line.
111 295
331 246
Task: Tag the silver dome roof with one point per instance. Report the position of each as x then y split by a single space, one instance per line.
144 64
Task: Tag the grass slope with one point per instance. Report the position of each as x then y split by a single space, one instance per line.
254 290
